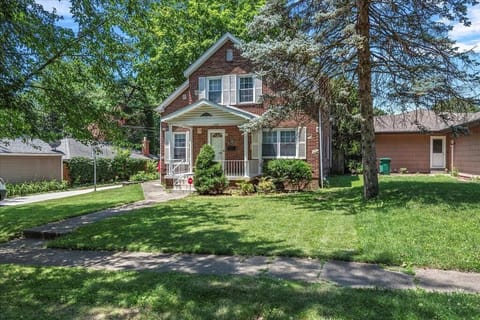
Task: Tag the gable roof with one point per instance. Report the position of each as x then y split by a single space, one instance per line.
204 57
422 121
74 148
172 97
26 147
206 106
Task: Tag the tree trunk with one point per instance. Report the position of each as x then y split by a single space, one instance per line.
370 178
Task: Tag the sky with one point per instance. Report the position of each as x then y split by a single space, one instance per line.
466 37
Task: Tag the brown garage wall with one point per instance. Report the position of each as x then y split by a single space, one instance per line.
19 168
411 151
467 152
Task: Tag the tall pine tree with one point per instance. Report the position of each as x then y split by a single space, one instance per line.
398 52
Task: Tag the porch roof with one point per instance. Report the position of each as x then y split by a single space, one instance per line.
205 113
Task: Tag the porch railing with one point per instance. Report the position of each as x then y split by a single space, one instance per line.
231 168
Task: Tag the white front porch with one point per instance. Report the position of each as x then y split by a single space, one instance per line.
233 169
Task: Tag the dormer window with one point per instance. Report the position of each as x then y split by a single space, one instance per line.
215 90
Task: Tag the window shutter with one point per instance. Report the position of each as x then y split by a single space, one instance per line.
201 88
233 89
187 146
166 144
302 143
258 88
254 144
226 90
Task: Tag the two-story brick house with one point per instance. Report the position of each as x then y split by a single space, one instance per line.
221 93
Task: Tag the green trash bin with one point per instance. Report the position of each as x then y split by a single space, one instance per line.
385 165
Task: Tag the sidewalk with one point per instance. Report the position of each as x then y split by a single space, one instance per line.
348 274
49 196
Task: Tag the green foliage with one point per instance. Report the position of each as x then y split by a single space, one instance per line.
355 167
266 185
209 176
21 189
151 166
289 173
246 187
121 167
143 176
455 172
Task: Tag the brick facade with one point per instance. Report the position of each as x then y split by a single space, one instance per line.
216 65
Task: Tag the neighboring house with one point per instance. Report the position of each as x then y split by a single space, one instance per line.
23 160
220 94
423 141
71 148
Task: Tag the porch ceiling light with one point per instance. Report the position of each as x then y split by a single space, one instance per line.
205 114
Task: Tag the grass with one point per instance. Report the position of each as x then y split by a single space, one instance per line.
15 219
417 221
61 293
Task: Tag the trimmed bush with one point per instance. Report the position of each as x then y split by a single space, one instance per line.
209 176
122 167
287 173
21 189
143 176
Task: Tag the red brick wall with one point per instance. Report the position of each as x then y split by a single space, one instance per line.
411 151
467 152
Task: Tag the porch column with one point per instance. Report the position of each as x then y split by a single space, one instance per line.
259 144
190 150
246 167
170 145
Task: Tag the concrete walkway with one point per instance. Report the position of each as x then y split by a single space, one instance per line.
49 196
348 274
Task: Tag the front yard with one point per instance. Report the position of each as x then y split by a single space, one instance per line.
15 219
69 293
417 221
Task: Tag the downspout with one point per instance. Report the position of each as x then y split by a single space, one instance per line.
160 152
320 144
452 150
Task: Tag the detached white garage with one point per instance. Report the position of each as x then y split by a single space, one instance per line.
29 160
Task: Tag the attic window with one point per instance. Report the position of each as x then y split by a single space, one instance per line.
205 114
229 55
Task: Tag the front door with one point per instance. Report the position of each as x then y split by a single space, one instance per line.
437 154
216 138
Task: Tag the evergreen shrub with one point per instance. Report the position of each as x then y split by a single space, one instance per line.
209 176
286 173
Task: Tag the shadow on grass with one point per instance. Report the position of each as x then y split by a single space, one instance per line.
55 293
181 226
395 193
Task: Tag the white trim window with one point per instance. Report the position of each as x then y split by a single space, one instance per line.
283 143
214 89
246 89
179 146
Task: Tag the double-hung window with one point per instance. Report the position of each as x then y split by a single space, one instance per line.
279 143
246 89
215 90
179 146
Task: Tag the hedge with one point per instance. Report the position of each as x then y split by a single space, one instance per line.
119 168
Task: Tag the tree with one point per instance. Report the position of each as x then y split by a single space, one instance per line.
402 47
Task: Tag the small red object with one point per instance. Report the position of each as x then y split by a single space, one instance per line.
190 180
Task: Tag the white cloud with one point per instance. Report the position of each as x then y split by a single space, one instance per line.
62 6
468 37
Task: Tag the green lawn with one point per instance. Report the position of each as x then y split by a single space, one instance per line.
417 221
15 219
69 293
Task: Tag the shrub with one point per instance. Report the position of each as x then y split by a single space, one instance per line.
21 189
209 176
289 172
265 185
455 172
143 176
108 170
245 187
